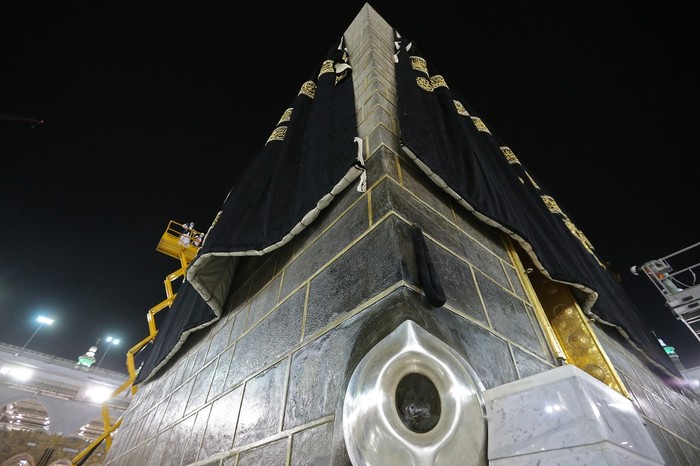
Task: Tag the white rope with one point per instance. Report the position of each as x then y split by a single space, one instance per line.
362 185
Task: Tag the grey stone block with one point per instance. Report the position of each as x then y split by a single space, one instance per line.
270 339
529 365
264 273
286 253
343 232
330 214
457 281
201 354
691 452
262 302
218 436
262 405
160 448
510 317
222 366
320 370
661 443
195 439
316 378
156 417
219 341
136 456
379 136
200 389
312 447
380 259
178 441
516 284
382 162
177 404
485 234
632 388
389 196
238 326
148 451
487 353
681 458
423 188
266 455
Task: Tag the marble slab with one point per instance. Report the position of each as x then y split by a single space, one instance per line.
565 413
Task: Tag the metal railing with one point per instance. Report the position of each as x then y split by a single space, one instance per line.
675 277
184 253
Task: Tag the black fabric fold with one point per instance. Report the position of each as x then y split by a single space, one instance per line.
453 145
309 158
429 277
188 313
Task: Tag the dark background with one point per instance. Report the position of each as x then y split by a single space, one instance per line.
152 111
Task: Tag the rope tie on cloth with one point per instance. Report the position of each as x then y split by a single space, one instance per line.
362 185
426 270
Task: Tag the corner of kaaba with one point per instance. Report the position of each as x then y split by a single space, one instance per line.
388 284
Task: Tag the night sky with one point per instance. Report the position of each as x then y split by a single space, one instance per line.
152 111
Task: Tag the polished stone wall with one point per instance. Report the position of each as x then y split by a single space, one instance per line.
672 416
265 385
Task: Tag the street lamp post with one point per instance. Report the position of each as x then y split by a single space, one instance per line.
111 341
42 321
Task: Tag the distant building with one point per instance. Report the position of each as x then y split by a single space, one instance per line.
51 407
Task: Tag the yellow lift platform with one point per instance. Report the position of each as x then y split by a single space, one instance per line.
179 241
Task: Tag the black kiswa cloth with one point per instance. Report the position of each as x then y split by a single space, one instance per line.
310 157
430 280
312 154
188 313
456 149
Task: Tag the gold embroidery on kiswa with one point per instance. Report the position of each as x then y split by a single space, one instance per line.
552 205
216 219
578 234
424 84
286 116
582 238
326 67
510 155
536 186
480 125
342 76
419 64
308 89
277 134
438 81
460 108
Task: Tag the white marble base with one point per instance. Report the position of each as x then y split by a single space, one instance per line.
566 417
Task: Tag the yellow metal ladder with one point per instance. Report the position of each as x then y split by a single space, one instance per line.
182 243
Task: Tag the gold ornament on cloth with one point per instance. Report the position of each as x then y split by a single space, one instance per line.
460 108
419 64
424 84
537 187
438 81
308 89
286 116
510 155
277 134
552 204
480 125
327 67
